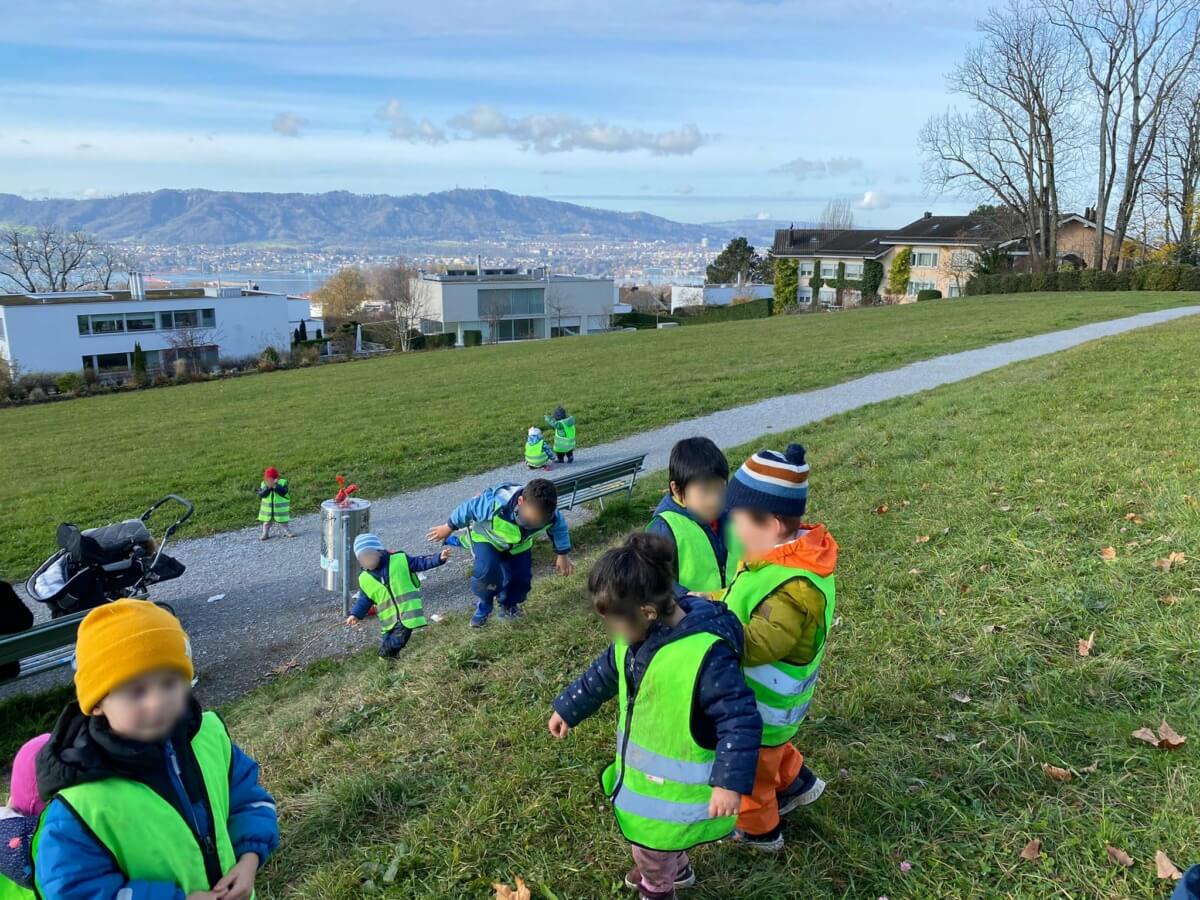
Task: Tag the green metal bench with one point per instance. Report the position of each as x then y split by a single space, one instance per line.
617 477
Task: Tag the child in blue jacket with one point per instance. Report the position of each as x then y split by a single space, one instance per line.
148 798
502 523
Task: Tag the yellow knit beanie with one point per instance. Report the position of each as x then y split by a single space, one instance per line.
120 641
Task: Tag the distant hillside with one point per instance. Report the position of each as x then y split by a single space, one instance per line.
339 218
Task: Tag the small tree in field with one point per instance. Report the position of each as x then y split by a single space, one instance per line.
139 365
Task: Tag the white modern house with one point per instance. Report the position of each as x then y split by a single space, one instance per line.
517 305
684 295
97 330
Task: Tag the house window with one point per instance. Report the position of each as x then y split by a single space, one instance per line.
112 362
520 329
828 270
828 295
85 325
804 295
208 318
108 324
140 321
924 258
805 270
854 271
187 318
953 291
2 330
914 287
518 302
963 258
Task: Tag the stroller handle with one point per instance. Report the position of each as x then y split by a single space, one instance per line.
188 509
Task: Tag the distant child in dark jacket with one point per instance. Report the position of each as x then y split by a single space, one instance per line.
564 434
388 581
274 505
693 517
19 821
147 796
687 757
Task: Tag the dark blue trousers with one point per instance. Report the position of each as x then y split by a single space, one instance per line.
500 576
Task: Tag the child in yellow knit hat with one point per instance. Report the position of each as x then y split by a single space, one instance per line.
148 796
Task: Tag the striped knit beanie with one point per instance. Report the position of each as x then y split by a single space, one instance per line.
366 542
775 483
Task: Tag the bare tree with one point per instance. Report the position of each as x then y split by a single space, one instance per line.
47 258
492 313
557 307
343 294
1020 129
836 216
1175 171
957 266
1136 54
189 346
405 298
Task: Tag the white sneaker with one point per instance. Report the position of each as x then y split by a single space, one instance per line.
812 795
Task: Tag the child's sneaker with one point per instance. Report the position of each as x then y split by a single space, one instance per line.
685 879
771 842
478 621
512 613
806 789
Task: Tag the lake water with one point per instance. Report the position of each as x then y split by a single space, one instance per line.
280 282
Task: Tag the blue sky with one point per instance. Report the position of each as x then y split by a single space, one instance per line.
699 110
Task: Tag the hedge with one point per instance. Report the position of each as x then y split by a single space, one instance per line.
472 338
1155 277
753 309
928 294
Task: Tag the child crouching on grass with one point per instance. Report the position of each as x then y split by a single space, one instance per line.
388 581
148 798
783 594
687 727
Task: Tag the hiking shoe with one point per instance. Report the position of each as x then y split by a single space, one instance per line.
800 796
512 613
478 621
685 879
763 843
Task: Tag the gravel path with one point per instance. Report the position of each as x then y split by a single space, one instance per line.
272 609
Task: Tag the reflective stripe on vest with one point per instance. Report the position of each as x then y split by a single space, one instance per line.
536 455
564 436
698 569
400 597
659 780
784 691
147 838
504 535
273 508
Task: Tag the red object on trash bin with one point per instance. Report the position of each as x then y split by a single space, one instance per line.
342 498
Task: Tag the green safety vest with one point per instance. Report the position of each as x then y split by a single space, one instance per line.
783 690
564 435
535 455
273 508
389 605
10 890
698 569
504 535
658 782
147 838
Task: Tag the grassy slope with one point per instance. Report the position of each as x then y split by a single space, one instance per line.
398 423
1020 478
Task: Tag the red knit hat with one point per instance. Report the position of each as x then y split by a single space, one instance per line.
271 472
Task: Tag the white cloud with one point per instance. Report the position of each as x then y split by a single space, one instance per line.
874 200
819 168
554 133
288 124
685 189
405 128
763 216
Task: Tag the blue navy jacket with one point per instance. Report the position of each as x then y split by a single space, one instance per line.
658 525
502 499
1189 887
362 603
724 713
71 864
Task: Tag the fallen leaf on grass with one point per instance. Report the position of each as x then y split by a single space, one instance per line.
1166 739
1135 519
1005 509
1165 868
922 539
1174 558
914 571
1056 773
985 568
993 629
1108 554
1088 770
1086 644
1169 600
1032 850
949 738
961 696
881 509
282 668
504 892
1119 856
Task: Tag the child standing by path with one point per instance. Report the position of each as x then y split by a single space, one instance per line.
274 505
687 728
388 581
783 594
149 799
693 517
564 434
502 523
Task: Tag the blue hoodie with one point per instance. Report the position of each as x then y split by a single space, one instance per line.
502 499
658 525
724 712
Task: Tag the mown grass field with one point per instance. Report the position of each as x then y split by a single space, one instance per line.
1019 479
402 422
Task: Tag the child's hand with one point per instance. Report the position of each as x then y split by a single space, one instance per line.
352 620
563 564
558 726
206 895
445 554
439 533
724 802
239 883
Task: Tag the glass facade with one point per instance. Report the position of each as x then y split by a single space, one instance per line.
514 302
167 320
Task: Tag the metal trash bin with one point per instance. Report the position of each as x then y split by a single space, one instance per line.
339 527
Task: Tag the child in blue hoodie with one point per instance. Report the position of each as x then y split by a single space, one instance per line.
693 517
148 798
501 525
687 728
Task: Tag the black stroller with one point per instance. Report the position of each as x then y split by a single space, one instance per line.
98 565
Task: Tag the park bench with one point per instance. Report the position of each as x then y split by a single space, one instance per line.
599 482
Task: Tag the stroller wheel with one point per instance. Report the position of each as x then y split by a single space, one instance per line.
168 607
